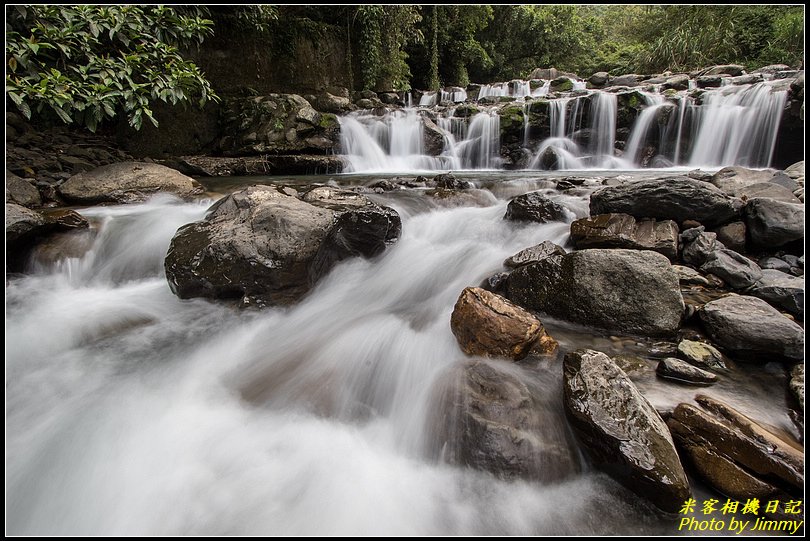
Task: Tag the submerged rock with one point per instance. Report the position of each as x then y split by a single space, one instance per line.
622 231
735 454
493 419
623 290
534 254
127 182
749 328
487 324
535 207
263 245
621 430
678 370
675 198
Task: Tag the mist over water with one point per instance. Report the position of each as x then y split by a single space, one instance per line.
130 411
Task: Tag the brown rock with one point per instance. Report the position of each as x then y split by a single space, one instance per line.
487 324
623 231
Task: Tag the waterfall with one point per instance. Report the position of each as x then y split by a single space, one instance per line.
645 121
556 114
683 104
542 90
494 90
603 111
525 124
428 99
481 149
738 125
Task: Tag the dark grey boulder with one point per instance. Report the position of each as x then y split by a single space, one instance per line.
749 328
774 223
736 270
535 207
534 254
675 198
630 291
265 246
784 291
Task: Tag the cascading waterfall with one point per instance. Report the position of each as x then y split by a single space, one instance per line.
738 125
734 125
481 148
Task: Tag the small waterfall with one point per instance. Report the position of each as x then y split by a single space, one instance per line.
604 107
645 121
541 90
738 125
556 114
520 89
494 90
525 124
575 120
428 99
481 149
565 150
683 104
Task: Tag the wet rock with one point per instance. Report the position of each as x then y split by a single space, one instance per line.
733 70
629 79
534 254
623 290
735 178
781 290
433 137
494 419
767 190
708 81
21 192
796 170
781 179
269 247
621 430
774 223
678 370
384 185
495 283
675 198
127 182
622 231
535 207
22 225
797 384
736 270
678 82
65 219
701 354
734 453
774 263
749 328
489 325
599 79
697 250
689 277
732 236
449 182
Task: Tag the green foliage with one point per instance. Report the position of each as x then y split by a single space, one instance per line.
384 32
89 63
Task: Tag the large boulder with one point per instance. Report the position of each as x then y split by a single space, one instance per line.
276 124
623 231
621 430
773 223
496 419
734 178
736 270
621 290
599 79
749 328
734 453
676 198
265 246
768 190
677 82
781 290
629 79
21 192
535 207
533 254
22 224
487 324
433 137
127 182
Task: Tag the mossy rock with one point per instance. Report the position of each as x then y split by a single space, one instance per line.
562 84
328 121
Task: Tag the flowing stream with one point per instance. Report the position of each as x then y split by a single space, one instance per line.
130 411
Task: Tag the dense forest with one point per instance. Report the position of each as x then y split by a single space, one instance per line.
124 49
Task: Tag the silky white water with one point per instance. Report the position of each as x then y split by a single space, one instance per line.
130 411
